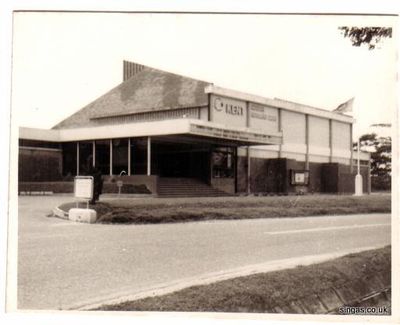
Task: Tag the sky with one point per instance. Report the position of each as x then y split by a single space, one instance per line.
63 61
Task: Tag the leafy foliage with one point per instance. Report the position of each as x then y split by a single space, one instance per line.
366 35
381 159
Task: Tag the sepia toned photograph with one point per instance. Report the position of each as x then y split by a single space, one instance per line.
202 162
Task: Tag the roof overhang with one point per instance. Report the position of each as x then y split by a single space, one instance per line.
192 127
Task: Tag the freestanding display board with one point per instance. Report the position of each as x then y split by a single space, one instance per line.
83 187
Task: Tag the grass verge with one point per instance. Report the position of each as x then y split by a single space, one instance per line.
197 209
263 292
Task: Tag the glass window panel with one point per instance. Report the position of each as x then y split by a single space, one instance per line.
120 156
69 158
103 156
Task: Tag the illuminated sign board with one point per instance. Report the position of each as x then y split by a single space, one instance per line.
228 111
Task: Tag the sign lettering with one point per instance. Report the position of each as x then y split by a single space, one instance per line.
263 117
228 111
229 108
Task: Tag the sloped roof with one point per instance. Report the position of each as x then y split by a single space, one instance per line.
146 91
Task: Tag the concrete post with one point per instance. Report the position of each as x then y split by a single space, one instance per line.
307 164
351 149
330 141
369 178
248 171
94 153
148 156
77 158
358 181
111 157
129 156
280 130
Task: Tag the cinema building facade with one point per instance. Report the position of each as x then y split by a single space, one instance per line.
181 136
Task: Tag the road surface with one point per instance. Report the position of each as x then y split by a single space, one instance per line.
62 264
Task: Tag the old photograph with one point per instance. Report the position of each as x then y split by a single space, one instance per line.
211 163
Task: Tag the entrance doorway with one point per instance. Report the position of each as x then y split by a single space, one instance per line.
181 161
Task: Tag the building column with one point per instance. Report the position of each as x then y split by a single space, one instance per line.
94 153
248 171
129 156
330 141
351 149
77 158
235 163
148 156
369 177
307 165
111 157
280 130
248 148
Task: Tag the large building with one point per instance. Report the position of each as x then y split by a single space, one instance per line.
164 130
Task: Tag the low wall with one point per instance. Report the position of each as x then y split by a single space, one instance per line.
68 187
224 184
151 181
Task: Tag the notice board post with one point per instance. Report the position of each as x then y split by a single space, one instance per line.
83 189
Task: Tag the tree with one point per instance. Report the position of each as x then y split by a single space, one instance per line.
381 159
370 36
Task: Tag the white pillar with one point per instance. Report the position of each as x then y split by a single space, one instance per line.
148 156
358 156
94 153
359 181
129 156
280 130
330 141
77 158
307 162
111 157
248 171
351 149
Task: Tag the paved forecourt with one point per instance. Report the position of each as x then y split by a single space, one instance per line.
63 265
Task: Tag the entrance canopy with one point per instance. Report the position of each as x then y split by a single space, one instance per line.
190 130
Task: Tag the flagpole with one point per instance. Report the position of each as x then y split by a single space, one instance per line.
358 188
358 182
358 156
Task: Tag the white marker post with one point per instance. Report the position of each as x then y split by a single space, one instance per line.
358 181
83 189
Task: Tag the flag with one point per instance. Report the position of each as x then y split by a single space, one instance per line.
383 125
345 107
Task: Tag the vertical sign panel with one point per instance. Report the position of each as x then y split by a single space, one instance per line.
263 117
228 111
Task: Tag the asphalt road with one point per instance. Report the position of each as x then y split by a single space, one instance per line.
62 264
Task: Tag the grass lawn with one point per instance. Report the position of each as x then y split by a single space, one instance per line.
262 292
155 210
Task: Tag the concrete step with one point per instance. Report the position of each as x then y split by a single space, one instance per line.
186 187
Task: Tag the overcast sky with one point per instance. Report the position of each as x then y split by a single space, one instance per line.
63 61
